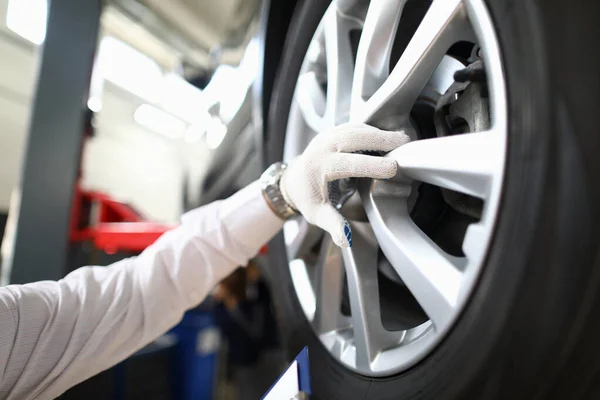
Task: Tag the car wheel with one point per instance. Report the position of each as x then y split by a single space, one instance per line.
475 272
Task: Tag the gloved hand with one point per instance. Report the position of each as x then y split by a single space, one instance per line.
328 157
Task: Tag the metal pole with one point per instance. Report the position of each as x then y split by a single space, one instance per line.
54 143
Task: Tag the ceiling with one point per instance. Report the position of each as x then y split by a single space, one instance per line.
209 22
187 30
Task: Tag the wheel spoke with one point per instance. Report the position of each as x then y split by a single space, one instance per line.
340 66
444 24
300 237
464 163
432 276
311 101
374 48
328 289
473 246
298 136
370 337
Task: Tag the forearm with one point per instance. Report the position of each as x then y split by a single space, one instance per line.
56 334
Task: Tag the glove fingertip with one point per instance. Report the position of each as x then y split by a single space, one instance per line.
342 242
348 234
390 167
342 237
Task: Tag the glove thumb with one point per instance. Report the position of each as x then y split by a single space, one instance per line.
330 220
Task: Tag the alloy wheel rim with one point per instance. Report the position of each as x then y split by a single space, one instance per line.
360 87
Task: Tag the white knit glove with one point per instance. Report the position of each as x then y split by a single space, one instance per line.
329 157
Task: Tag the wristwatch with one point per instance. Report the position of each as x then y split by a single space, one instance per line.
271 190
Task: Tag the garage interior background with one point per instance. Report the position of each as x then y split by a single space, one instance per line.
149 149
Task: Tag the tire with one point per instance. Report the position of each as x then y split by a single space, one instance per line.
531 327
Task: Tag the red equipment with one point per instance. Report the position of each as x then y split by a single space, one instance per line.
111 225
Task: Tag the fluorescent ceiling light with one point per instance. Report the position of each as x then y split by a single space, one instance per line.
222 84
95 104
198 128
28 19
128 68
248 67
215 133
181 98
133 71
159 121
194 133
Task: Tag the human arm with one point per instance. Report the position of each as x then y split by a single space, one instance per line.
54 335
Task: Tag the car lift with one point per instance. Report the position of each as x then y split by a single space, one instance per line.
40 239
54 213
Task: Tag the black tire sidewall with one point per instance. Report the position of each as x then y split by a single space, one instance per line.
530 321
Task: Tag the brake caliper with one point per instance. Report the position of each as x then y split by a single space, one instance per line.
464 108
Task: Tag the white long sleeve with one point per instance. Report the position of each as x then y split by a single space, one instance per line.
54 335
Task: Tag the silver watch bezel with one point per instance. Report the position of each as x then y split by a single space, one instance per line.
271 190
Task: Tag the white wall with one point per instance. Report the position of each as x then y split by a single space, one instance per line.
131 163
17 75
13 126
